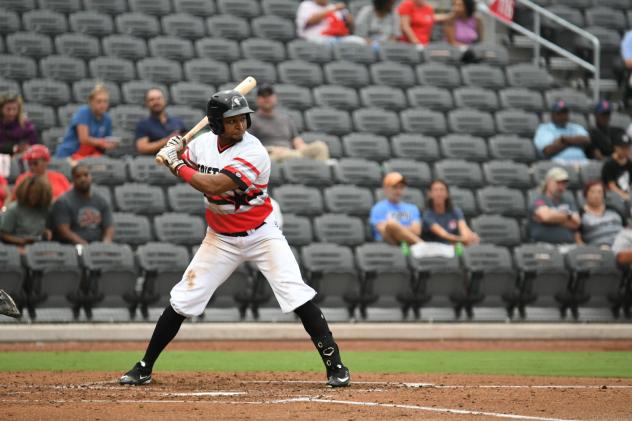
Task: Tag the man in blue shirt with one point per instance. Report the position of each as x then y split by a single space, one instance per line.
153 132
394 221
560 140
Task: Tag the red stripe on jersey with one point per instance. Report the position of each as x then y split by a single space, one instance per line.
261 186
248 164
239 175
238 222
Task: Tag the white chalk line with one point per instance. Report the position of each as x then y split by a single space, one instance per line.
452 386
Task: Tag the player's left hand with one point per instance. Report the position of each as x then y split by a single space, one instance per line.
170 157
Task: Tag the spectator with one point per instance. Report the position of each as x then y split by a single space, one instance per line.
417 18
16 132
599 225
276 131
24 221
37 158
622 247
153 132
560 140
602 135
378 23
626 55
444 222
4 192
616 172
393 220
463 27
319 21
90 130
82 216
553 217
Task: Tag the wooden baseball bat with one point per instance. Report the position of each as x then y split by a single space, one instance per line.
245 86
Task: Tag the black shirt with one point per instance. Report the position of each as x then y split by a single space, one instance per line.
601 139
620 174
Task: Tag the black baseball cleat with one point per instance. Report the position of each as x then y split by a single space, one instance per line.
139 374
339 377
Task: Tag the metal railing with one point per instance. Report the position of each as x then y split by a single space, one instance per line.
535 36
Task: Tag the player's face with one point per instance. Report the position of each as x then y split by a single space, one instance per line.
235 127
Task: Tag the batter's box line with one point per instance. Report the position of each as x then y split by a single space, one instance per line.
448 386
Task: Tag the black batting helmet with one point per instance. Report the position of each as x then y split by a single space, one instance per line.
226 104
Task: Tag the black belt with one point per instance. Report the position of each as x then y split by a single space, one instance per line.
241 233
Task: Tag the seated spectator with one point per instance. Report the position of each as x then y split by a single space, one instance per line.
153 132
37 158
276 131
602 135
378 23
17 133
463 27
444 222
599 225
553 217
393 220
616 172
90 129
319 21
4 192
417 17
626 55
560 140
24 221
82 216
622 247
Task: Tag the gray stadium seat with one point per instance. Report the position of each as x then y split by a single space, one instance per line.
357 171
183 25
423 121
492 54
228 26
273 27
300 72
112 69
139 198
263 49
357 53
171 47
507 173
590 172
430 97
9 21
81 89
471 148
464 199
44 21
328 120
91 23
519 122
159 70
151 7
78 45
67 69
474 97
391 73
483 75
457 172
7 85
619 119
65 113
110 7
143 169
307 171
439 278
575 100
218 49
247 9
411 195
61 6
106 171
346 73
262 71
399 52
138 25
179 228
417 147
17 68
191 93
366 145
182 197
299 199
189 115
125 46
161 263
470 121
339 229
417 174
438 74
521 98
134 91
441 52
528 76
294 96
127 116
385 97
42 116
336 96
12 273
332 141
501 200
297 230
348 199
52 137
203 8
512 147
130 228
204 70
30 44
300 49
18 5
376 120
615 4
283 8
540 168
46 91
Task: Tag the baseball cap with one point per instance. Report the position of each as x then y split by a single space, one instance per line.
392 179
37 152
559 106
622 139
265 90
557 174
603 107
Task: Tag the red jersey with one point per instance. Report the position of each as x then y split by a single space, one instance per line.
421 20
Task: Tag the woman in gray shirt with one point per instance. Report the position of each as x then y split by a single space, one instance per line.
599 225
378 23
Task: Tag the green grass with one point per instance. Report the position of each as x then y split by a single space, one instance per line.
583 364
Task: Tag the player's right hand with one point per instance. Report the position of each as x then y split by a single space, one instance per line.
177 142
170 158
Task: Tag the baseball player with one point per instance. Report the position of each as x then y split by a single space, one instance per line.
7 306
231 168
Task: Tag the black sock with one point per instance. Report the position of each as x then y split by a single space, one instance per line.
316 326
166 329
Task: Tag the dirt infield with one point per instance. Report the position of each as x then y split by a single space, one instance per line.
303 396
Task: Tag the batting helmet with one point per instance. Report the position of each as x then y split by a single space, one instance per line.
226 104
37 152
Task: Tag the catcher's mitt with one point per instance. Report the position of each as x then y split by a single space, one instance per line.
7 305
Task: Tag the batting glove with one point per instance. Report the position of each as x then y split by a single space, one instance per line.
169 154
177 142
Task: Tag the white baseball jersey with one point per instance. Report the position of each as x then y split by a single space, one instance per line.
248 164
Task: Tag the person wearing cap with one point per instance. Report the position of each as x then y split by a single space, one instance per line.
602 134
277 132
616 172
553 215
393 220
153 132
444 222
37 158
561 140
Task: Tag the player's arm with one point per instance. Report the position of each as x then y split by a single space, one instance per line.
210 184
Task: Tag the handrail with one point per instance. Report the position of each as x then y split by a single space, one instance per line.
535 36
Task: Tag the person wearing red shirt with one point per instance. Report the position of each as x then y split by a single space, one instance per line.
4 191
37 158
416 19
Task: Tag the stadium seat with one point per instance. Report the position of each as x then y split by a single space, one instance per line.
78 45
457 172
161 264
366 145
411 195
112 69
109 7
311 52
300 72
521 98
360 172
512 147
336 96
348 199
575 100
540 168
263 49
203 70
179 228
332 141
191 93
528 76
464 199
621 120
243 8
44 21
139 198
438 75
127 116
283 8
52 137
520 122
171 47
106 171
307 171
151 7
297 230
350 51
441 52
67 69
299 199
221 50
495 229
339 229
507 173
391 73
294 96
385 97
203 8
590 172
470 121
273 27
46 91
7 85
9 21
183 25
12 274
159 70
328 120
430 97
418 147
29 44
65 113
92 23
17 68
417 174
143 169
81 89
492 54
399 52
474 97
263 72
18 5
125 46
189 115
130 228
346 73
423 121
42 116
438 278
184 198
376 120
134 92
138 25
483 75
464 146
